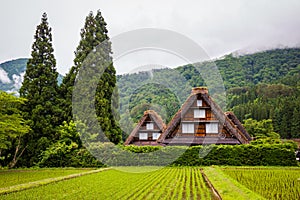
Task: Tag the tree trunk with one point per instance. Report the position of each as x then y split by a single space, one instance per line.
13 163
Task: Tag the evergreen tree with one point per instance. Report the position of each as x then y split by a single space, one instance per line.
86 44
295 129
93 34
40 89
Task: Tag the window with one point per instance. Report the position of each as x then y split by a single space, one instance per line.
199 113
149 126
155 136
188 128
143 136
199 102
212 128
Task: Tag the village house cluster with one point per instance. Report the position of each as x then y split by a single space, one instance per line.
200 121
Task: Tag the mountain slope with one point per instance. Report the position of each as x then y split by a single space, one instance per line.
12 73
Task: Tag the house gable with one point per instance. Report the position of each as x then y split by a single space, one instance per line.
147 131
201 121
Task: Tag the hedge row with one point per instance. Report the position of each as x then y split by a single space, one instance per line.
237 155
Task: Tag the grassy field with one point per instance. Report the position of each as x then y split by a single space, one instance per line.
14 177
158 183
271 183
167 183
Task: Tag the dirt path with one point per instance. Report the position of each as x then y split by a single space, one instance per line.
216 195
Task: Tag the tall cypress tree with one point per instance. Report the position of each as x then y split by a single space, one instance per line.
40 88
93 34
84 48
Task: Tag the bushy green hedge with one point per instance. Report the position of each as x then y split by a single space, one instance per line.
108 154
238 155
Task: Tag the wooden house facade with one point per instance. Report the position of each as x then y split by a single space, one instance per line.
201 121
147 131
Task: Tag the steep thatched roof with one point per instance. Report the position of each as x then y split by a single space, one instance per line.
227 123
238 124
153 116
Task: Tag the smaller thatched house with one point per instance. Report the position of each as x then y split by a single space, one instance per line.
147 131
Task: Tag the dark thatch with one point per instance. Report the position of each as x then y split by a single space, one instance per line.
238 124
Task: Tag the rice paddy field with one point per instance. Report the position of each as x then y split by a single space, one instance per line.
167 183
147 183
271 183
15 177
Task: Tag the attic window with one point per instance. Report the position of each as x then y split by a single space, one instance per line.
188 128
199 102
155 136
149 126
199 113
143 136
212 128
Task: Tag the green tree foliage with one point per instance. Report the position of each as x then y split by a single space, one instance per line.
92 35
260 129
278 102
153 97
86 45
67 151
13 129
41 90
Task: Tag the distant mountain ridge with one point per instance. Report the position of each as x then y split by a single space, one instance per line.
12 73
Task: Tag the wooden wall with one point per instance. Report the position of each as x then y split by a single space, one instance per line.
199 123
143 129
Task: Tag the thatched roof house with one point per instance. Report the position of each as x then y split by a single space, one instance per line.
148 130
201 121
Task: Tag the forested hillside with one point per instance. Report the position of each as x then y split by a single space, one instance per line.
12 73
259 86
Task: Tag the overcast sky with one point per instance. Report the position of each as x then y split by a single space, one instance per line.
218 26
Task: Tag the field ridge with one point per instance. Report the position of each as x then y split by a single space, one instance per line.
227 187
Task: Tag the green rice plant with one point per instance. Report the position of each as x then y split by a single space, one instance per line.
228 187
193 184
20 176
272 183
157 191
169 190
166 183
188 183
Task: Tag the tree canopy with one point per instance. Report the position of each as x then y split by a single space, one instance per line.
40 88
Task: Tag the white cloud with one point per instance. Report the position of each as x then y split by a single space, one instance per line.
218 26
4 77
18 80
